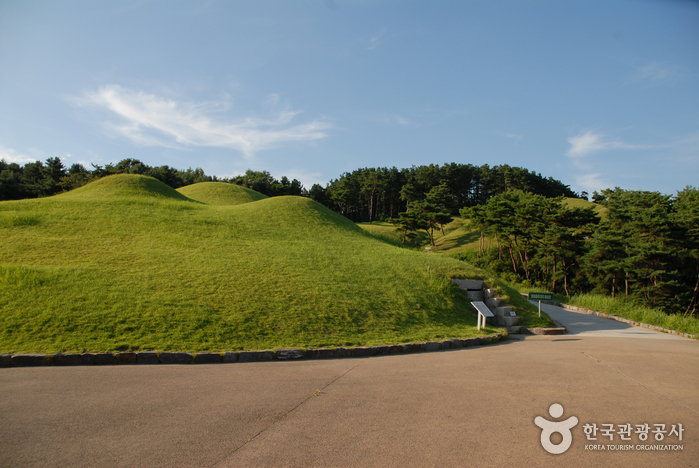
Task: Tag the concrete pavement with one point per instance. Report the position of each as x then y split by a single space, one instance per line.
473 407
589 325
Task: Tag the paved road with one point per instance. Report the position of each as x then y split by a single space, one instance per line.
472 407
579 324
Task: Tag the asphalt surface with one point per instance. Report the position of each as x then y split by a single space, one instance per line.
590 325
471 407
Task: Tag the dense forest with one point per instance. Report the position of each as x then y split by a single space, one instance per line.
645 245
373 194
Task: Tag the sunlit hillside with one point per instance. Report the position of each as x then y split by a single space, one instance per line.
128 263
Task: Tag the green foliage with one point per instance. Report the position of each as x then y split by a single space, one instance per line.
263 182
641 244
541 238
686 220
641 247
127 262
370 194
424 214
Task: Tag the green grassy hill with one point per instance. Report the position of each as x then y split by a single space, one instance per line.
220 193
123 186
128 263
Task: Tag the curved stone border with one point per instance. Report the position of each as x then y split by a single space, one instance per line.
541 331
621 319
152 357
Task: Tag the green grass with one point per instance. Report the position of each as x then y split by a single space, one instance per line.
220 193
128 263
387 232
631 310
457 237
580 203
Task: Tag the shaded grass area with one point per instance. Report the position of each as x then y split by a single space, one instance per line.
387 232
631 310
140 266
457 237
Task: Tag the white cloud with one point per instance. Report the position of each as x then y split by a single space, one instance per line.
590 183
588 142
151 120
12 156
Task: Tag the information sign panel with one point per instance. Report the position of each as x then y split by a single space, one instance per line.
534 296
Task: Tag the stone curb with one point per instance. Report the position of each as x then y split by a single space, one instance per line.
147 357
28 360
175 358
621 319
543 331
559 330
152 357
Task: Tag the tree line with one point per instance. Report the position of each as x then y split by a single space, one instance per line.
367 194
40 179
379 194
645 245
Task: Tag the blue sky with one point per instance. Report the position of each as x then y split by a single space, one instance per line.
596 94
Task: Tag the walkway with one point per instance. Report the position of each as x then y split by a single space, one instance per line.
580 324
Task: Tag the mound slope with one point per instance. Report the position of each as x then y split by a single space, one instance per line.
220 193
175 275
124 185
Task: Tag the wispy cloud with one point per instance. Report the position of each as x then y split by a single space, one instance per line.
12 156
422 117
656 72
590 141
376 39
151 120
513 136
394 119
